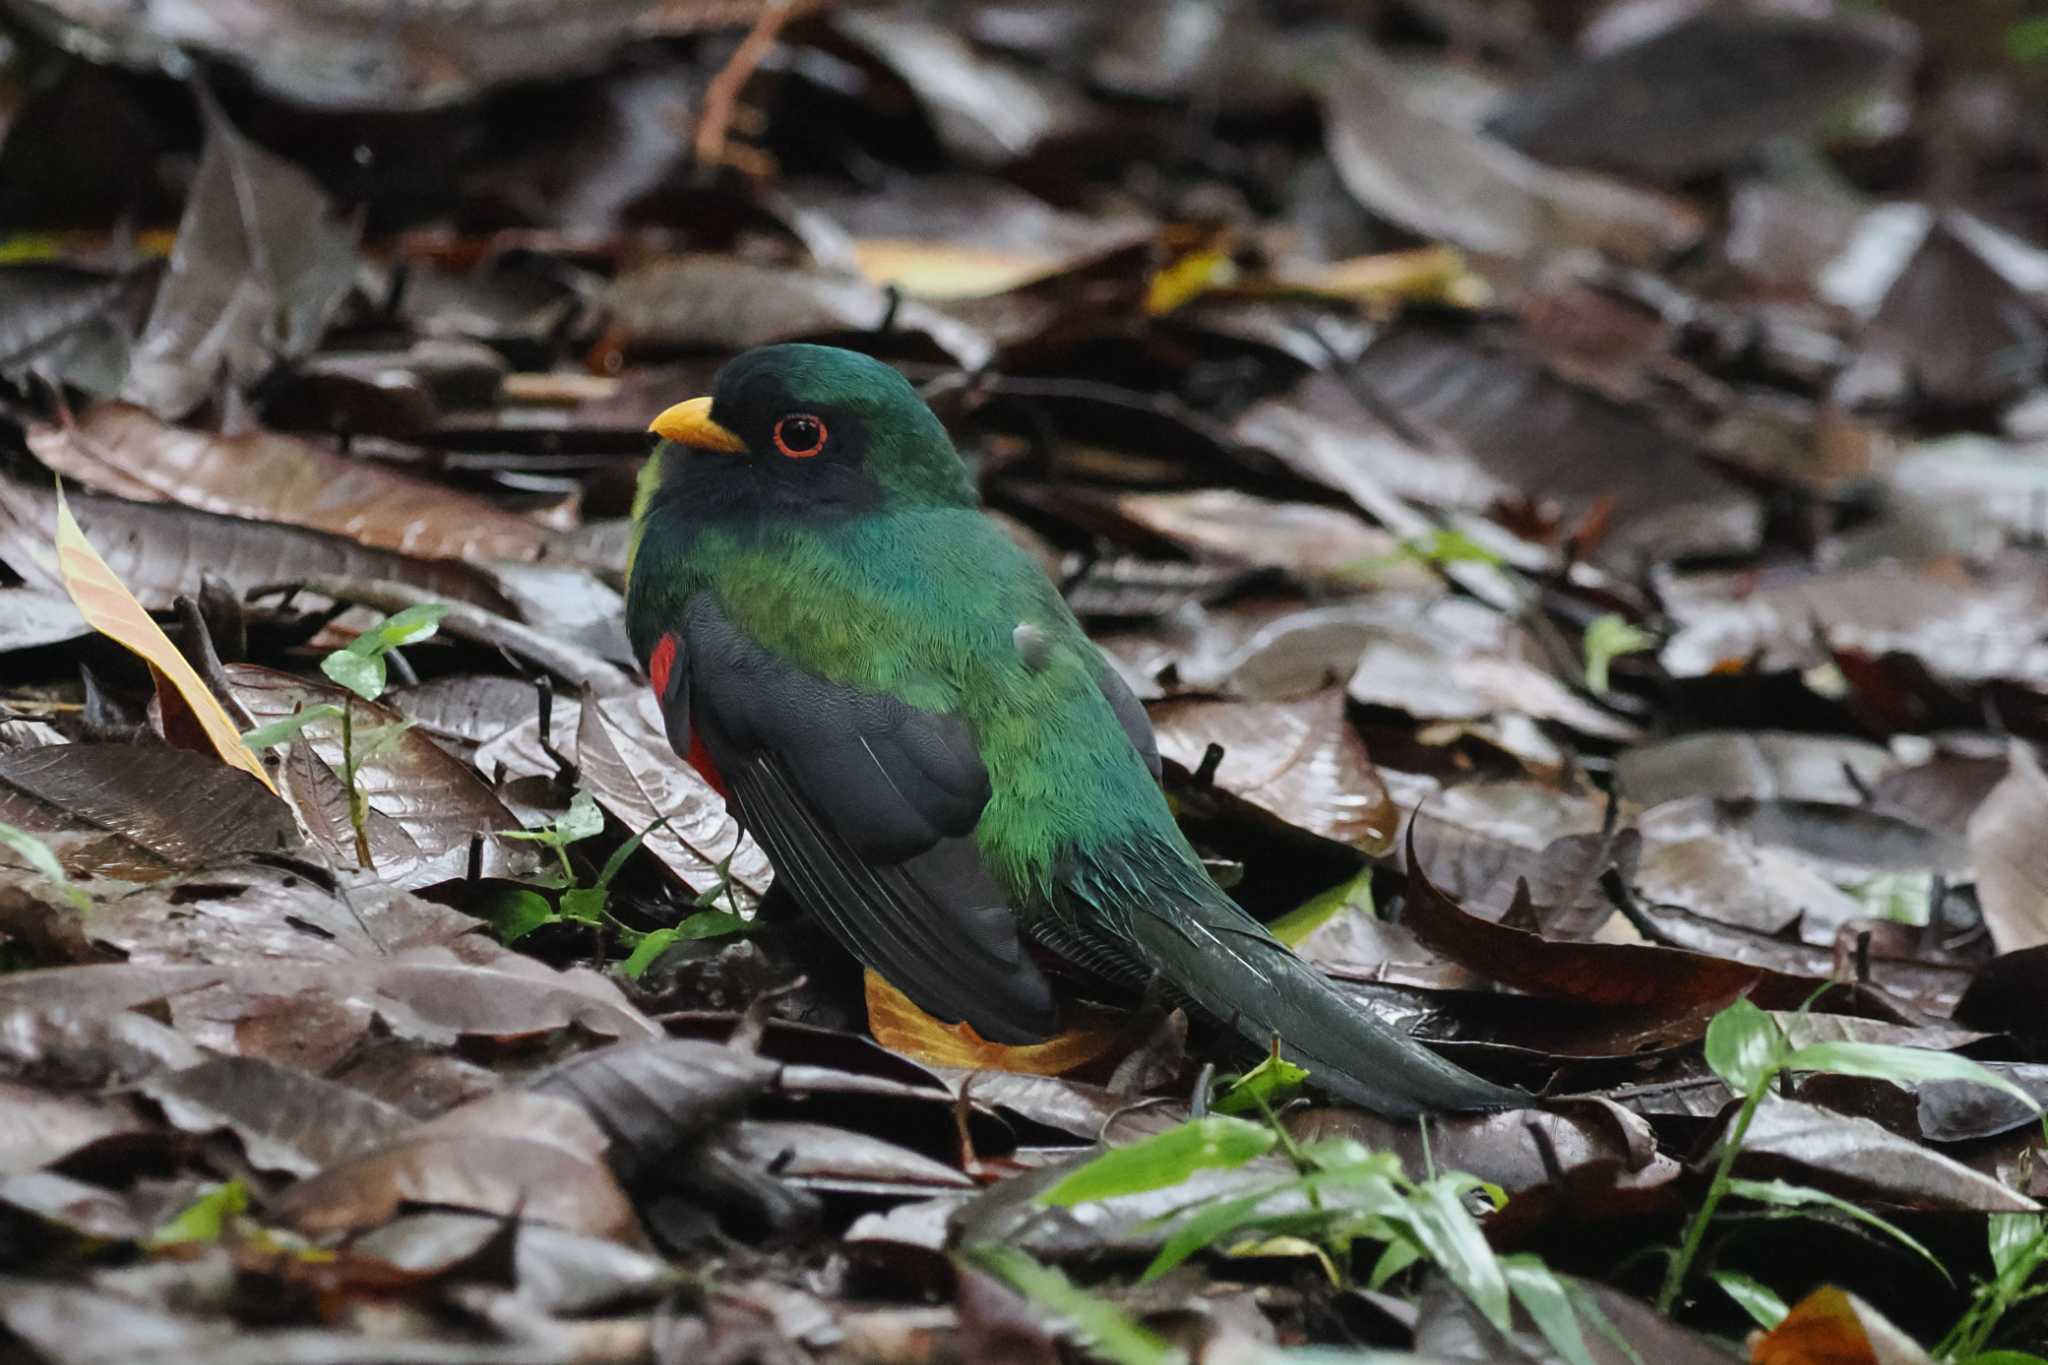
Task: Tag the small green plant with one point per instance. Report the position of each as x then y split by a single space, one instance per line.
1339 1195
1109 1330
1608 638
1748 1051
519 911
43 860
2019 1248
1439 549
362 669
1259 1089
206 1218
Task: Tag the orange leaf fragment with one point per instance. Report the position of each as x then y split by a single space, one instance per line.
899 1025
1831 1327
109 608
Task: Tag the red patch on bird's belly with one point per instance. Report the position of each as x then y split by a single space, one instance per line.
700 759
660 664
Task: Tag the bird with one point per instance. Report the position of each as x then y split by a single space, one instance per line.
898 705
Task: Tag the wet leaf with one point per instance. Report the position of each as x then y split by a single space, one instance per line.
814 1156
425 805
630 768
163 808
160 551
269 477
1301 760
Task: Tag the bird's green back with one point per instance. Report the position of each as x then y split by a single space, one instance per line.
923 602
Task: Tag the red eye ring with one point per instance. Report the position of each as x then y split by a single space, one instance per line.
800 435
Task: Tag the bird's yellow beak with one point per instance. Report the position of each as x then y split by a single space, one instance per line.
690 424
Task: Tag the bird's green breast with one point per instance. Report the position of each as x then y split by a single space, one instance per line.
924 604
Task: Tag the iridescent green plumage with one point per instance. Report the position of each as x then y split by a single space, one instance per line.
819 585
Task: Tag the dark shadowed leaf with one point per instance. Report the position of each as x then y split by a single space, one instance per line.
160 806
718 303
653 1099
555 1270
1697 95
986 110
260 263
73 326
1645 976
513 1153
1449 183
1843 1152
813 1156
1529 428
287 1120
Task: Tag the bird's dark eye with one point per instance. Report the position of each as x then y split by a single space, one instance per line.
800 435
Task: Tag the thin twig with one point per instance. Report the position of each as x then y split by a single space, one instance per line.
722 96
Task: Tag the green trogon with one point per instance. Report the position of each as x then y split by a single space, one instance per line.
939 764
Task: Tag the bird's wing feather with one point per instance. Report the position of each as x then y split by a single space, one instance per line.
1130 713
867 805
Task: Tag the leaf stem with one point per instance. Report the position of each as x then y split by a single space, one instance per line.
1696 1231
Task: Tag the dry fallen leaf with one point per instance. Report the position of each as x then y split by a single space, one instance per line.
1832 1327
112 610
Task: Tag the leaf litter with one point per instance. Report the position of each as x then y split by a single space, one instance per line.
1560 484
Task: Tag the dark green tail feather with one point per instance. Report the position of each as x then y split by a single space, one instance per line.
1229 966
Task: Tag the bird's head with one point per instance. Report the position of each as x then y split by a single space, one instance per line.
801 431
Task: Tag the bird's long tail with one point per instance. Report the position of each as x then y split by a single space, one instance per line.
1226 963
